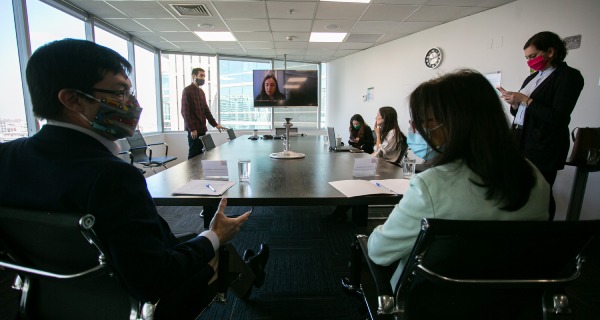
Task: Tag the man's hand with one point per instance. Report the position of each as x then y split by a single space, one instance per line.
194 134
220 127
224 227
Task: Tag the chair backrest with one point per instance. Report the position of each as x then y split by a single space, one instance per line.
208 142
69 276
491 269
403 150
231 134
137 147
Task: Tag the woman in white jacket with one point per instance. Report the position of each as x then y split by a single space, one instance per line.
477 171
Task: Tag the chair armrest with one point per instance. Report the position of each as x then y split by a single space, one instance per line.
161 143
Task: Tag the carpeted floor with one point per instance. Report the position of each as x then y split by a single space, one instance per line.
308 257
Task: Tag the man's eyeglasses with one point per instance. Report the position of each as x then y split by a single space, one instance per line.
121 94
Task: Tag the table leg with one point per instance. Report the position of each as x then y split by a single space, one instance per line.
209 213
360 215
577 193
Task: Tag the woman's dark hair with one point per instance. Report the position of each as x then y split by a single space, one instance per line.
390 123
360 132
545 40
264 96
476 131
65 64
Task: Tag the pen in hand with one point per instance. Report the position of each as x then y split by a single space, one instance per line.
211 187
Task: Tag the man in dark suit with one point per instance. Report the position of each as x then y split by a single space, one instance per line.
543 106
83 91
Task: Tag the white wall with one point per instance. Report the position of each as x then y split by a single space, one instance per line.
489 41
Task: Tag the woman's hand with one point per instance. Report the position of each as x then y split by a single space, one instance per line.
514 98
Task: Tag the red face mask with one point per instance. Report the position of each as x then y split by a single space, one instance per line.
538 63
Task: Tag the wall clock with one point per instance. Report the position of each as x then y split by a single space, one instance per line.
433 58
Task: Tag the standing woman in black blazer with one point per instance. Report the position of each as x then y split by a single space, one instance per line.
543 106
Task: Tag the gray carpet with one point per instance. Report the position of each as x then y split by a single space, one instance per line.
308 257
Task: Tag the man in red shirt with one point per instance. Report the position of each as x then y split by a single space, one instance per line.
195 112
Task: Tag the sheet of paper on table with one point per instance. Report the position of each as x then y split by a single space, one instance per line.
357 188
204 188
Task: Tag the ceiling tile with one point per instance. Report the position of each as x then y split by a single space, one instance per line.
193 23
329 25
137 9
338 10
192 45
298 36
162 24
238 9
437 13
179 36
291 25
355 45
369 38
374 26
323 45
379 12
248 24
291 45
300 10
343 53
415 2
258 44
99 8
253 36
127 25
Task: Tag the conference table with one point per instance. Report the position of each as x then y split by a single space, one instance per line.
276 182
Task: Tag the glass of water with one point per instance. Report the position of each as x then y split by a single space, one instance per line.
244 170
408 168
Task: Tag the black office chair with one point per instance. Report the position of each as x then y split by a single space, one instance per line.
208 142
141 153
64 273
403 151
478 270
231 134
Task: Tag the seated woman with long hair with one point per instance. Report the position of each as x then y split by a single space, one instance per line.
389 139
269 92
361 136
477 172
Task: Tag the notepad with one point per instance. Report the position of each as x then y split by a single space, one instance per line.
357 188
204 188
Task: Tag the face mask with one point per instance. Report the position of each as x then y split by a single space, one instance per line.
116 118
200 82
538 63
419 146
356 127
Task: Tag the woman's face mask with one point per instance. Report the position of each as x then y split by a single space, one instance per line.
116 118
419 146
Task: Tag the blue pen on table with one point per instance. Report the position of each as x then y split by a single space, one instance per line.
211 187
382 187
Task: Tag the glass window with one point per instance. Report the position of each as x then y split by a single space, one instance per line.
145 83
13 124
176 74
237 97
302 117
48 24
108 39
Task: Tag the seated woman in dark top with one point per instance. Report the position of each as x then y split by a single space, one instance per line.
269 93
361 135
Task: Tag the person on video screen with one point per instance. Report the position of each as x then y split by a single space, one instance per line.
269 92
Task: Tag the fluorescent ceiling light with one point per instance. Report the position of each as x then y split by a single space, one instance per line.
215 36
327 36
356 1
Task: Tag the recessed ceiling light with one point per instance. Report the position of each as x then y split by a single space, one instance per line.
206 26
327 36
355 1
215 36
332 27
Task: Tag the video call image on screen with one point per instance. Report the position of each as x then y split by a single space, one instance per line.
285 88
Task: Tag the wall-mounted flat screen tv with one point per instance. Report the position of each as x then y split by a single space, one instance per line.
286 88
